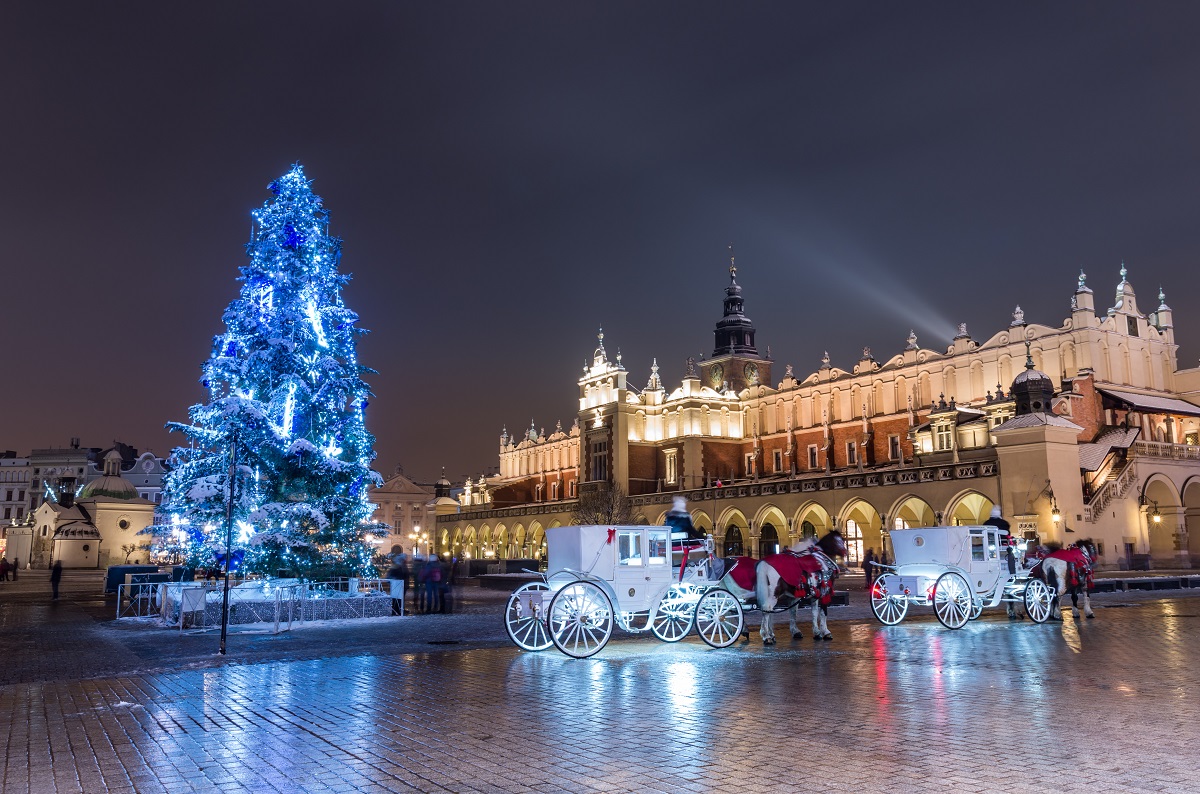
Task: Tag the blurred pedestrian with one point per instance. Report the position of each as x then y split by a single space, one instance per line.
431 576
55 578
398 580
868 565
445 592
3 569
15 565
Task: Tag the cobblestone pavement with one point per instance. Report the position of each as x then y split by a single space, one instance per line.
1102 705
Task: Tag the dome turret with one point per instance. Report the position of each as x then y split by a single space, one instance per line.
1032 389
112 484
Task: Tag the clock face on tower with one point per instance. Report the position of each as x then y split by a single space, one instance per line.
752 374
716 375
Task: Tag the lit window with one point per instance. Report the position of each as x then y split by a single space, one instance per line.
629 548
672 467
944 438
659 545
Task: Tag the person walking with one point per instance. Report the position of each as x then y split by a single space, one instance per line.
55 578
15 565
398 579
445 594
431 574
3 569
868 564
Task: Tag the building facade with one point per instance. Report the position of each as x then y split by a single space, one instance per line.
918 438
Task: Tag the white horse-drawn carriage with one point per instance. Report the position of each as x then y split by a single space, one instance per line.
640 578
958 571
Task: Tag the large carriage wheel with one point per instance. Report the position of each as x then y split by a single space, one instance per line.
888 602
1039 601
581 619
952 599
673 618
527 627
976 607
719 618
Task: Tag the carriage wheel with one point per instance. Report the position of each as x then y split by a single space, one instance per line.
581 619
1039 601
952 601
528 631
673 618
976 608
719 618
888 604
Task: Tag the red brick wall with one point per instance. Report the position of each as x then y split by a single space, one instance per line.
1087 411
722 458
644 472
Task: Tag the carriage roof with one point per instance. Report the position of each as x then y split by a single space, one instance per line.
941 546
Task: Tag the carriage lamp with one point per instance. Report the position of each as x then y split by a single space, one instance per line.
1155 516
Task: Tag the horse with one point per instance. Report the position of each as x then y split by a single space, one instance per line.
800 576
1069 570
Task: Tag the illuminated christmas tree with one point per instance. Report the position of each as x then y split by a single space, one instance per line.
285 405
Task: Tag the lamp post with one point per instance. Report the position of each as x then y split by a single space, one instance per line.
228 539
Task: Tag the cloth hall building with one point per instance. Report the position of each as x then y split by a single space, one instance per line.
1105 446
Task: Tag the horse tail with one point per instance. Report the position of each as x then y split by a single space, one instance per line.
1052 578
761 589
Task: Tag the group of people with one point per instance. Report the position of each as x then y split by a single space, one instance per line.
871 563
431 579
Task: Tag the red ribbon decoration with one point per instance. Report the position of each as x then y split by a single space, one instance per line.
612 533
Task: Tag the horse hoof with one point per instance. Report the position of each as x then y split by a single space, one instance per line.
828 638
769 642
797 636
816 638
1089 617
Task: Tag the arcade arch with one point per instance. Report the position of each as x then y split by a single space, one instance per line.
1160 497
968 508
860 523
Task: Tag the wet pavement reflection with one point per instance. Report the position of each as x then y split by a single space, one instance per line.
1108 704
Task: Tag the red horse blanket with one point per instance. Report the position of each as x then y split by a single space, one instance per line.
1079 568
795 569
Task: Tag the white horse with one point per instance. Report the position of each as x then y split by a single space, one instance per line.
1057 574
784 582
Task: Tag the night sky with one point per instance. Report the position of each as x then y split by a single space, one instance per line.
507 177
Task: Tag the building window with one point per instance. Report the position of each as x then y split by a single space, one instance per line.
812 456
893 447
572 489
851 453
8 512
1132 325
672 467
20 512
944 433
778 460
599 460
900 524
750 464
554 490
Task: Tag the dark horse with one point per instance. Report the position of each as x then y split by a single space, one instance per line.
801 576
1069 570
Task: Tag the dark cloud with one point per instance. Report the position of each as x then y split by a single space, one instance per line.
508 177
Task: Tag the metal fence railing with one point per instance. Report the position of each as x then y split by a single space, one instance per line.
197 606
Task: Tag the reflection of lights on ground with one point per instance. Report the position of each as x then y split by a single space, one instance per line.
681 683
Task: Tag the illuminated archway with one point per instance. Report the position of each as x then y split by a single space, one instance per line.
968 508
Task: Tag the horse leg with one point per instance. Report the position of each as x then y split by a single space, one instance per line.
766 631
796 633
1087 604
1075 603
1056 602
821 621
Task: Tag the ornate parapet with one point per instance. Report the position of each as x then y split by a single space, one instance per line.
829 482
